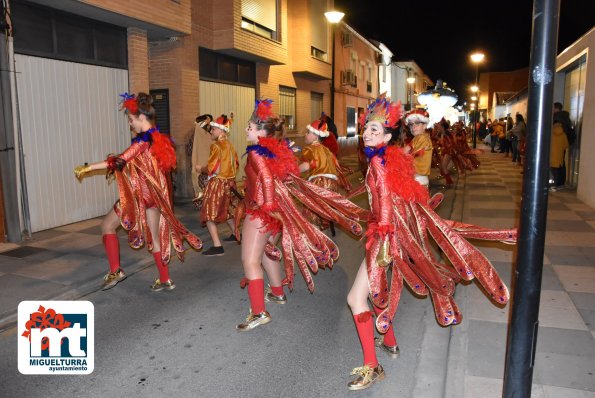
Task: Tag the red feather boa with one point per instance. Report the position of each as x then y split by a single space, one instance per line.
163 150
284 161
400 176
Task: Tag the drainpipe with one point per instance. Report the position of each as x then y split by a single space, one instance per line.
8 171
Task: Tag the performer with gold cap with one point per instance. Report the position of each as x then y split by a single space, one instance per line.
421 145
144 208
401 215
218 201
272 205
321 165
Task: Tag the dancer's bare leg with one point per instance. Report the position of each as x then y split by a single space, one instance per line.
110 223
153 215
212 227
253 243
357 299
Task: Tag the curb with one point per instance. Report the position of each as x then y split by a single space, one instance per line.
432 375
458 337
73 292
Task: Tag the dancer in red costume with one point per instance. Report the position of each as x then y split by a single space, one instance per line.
398 241
272 183
439 153
144 208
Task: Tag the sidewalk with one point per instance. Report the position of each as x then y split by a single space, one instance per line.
565 357
460 361
69 262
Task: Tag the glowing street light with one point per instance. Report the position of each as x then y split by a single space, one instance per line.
474 98
410 81
476 58
333 17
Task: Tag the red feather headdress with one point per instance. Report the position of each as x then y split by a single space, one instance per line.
382 110
129 103
262 110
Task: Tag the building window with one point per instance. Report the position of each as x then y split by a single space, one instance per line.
287 106
351 122
260 17
223 68
316 103
46 32
318 54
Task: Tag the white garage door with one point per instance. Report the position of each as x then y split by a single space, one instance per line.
217 99
69 115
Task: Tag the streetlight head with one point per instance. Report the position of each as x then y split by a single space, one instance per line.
474 89
477 57
334 16
411 80
474 98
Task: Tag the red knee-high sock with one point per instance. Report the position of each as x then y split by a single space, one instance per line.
161 267
364 323
256 295
112 249
277 290
389 336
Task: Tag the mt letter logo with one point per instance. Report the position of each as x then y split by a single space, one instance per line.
56 337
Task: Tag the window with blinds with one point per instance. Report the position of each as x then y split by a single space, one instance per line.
319 26
315 105
287 106
260 17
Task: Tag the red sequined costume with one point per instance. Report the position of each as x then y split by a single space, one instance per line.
143 184
273 185
401 217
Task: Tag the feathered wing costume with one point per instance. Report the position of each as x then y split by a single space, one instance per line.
402 220
273 185
142 176
400 224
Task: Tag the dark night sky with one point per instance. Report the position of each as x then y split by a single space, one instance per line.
439 35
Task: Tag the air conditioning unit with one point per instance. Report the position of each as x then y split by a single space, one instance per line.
348 77
346 39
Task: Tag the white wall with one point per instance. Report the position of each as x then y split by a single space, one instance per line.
583 46
69 114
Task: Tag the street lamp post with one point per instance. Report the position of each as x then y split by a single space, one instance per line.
333 17
476 58
410 81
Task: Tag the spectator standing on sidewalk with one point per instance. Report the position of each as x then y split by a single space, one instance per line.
517 133
558 146
497 131
144 208
508 123
219 201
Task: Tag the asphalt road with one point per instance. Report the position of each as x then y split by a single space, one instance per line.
184 343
